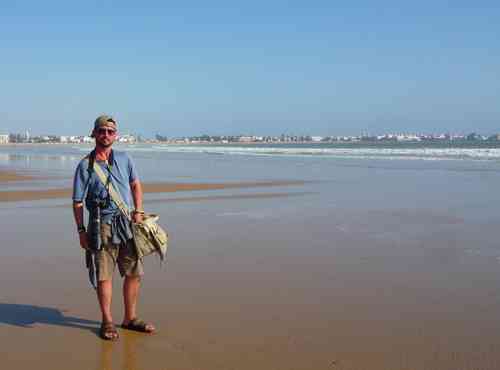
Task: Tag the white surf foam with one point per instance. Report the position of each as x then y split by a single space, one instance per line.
360 153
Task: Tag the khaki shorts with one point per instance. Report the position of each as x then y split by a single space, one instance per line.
111 255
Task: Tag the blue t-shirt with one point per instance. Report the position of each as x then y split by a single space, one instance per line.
86 184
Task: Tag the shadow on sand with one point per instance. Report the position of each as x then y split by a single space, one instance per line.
26 316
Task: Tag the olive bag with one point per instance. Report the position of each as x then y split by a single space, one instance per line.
149 236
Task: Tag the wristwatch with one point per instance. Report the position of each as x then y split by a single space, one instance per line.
81 229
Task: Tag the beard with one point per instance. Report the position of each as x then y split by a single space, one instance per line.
103 144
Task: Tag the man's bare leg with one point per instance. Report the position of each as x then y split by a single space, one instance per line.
131 286
104 295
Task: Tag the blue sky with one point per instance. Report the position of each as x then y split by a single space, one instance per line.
261 67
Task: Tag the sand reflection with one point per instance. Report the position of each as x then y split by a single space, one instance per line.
106 358
126 345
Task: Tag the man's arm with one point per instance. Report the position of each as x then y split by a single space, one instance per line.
136 188
78 215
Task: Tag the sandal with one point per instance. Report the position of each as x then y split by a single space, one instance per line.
108 331
139 325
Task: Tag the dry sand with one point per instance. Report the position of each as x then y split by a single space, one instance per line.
11 176
165 187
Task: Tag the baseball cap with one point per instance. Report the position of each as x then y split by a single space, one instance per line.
104 121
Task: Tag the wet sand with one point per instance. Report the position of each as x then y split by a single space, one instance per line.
262 283
246 291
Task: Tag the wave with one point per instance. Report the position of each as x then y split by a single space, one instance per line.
359 153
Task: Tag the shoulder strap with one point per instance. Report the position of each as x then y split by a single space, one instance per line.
115 195
91 159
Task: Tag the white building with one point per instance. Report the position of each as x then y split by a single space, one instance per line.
407 137
4 139
127 139
245 139
74 139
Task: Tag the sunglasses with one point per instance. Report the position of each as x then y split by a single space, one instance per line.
103 131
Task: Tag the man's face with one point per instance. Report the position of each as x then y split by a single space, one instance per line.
105 135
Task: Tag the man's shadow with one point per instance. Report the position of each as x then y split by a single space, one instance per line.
26 316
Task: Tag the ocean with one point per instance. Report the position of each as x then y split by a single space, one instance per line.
488 150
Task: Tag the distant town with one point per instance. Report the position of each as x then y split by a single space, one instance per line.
26 137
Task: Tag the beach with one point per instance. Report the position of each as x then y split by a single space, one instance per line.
273 263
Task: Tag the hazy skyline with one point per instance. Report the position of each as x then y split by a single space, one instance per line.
315 67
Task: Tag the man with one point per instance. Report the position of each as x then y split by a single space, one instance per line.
114 247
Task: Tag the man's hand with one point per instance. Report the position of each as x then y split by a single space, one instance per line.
78 213
84 243
136 187
137 217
